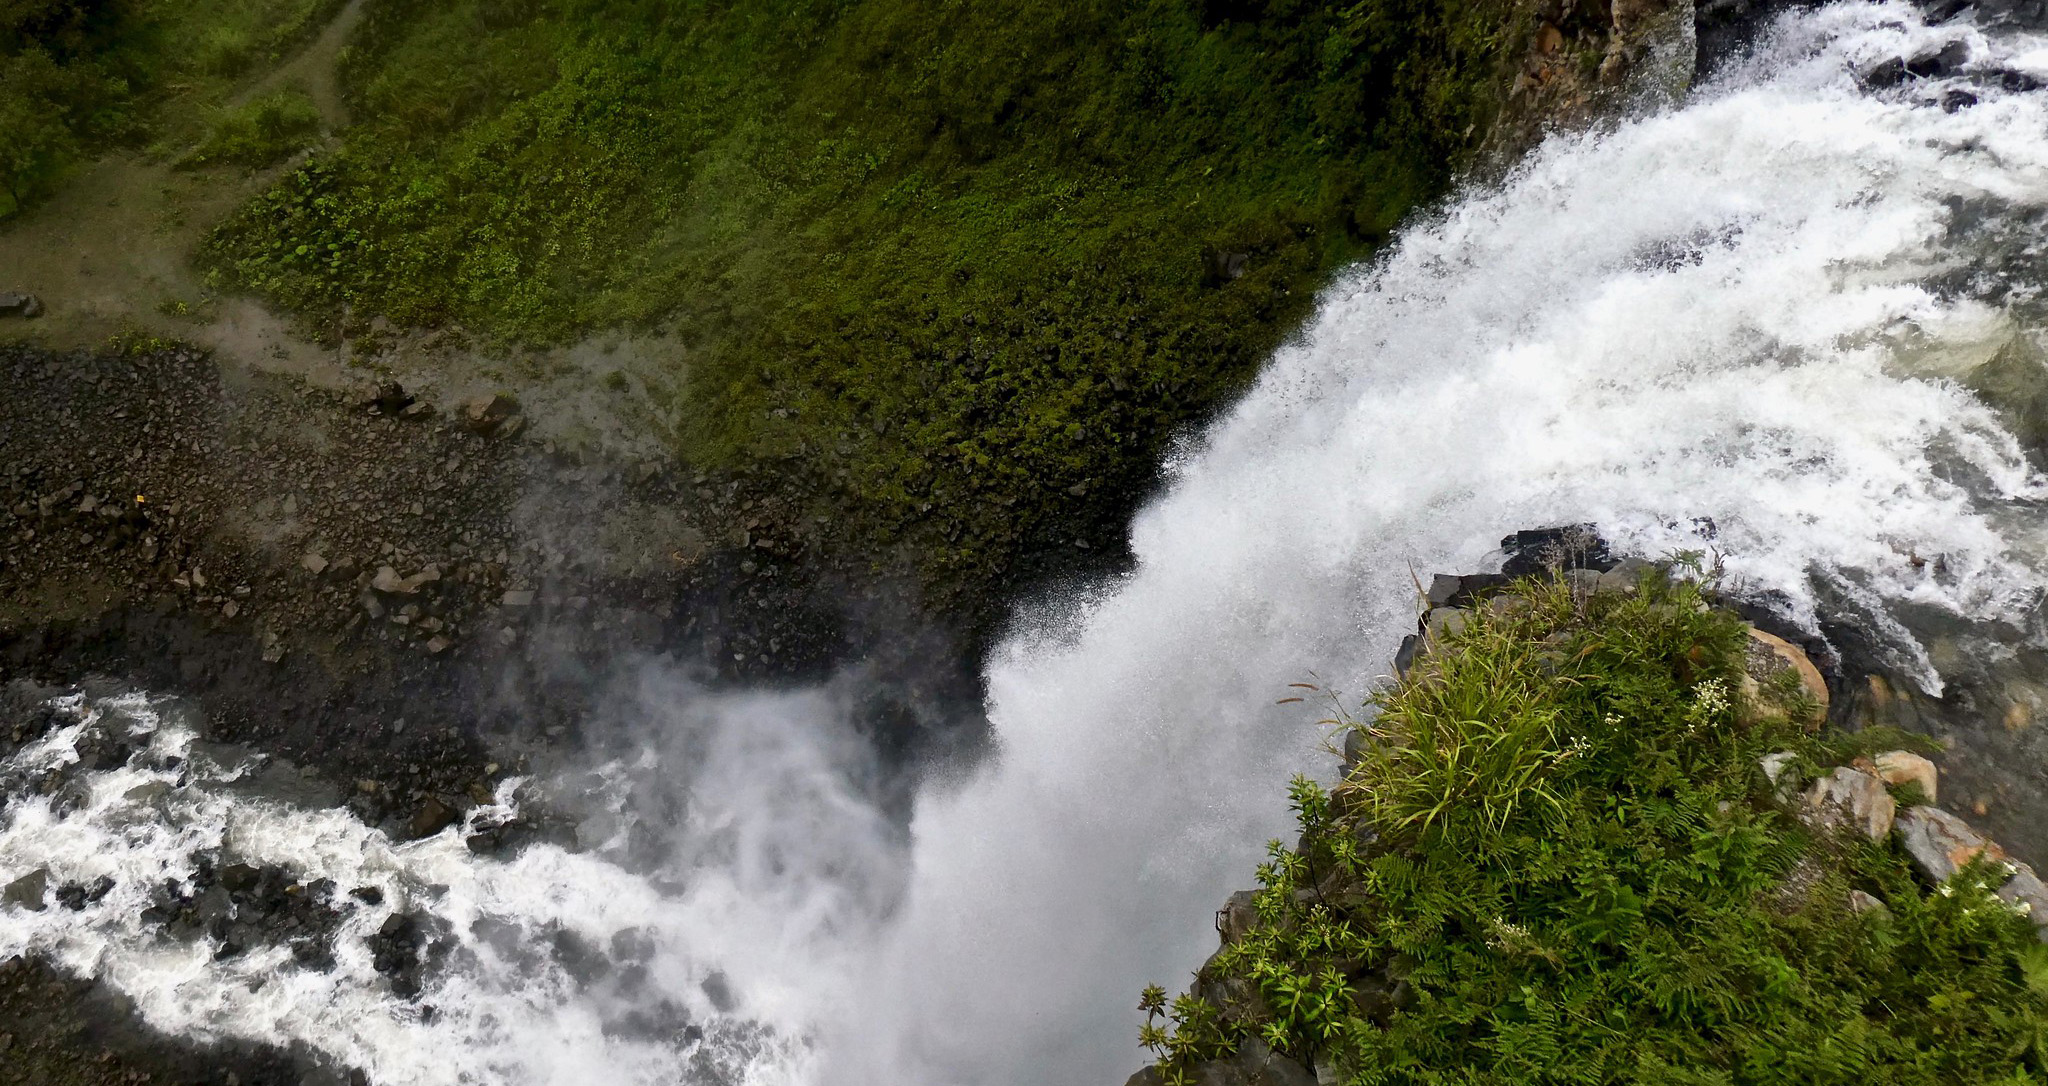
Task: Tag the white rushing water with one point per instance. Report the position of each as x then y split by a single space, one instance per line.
1746 310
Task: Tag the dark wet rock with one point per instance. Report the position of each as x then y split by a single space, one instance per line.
16 303
1254 1064
1236 917
76 895
1938 63
27 892
368 895
1886 74
1567 547
390 398
1957 100
431 817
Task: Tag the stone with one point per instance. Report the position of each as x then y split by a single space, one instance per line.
1570 546
1777 768
438 644
15 303
1442 589
1900 766
2027 893
388 580
1766 657
432 817
487 415
314 564
518 597
1851 797
1936 63
1939 843
1860 902
27 891
1447 622
1236 917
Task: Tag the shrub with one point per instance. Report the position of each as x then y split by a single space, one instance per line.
260 132
1557 863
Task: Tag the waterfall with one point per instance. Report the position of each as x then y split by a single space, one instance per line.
1736 325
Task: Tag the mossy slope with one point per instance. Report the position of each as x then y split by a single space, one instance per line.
969 264
1558 862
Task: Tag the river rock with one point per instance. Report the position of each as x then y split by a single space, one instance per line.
1939 843
27 891
432 817
1900 766
1767 656
1850 797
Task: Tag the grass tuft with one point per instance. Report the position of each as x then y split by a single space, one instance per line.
1558 862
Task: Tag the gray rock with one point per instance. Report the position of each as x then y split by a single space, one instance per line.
1860 902
1236 917
1447 622
1850 797
27 891
315 564
2026 892
1442 588
518 597
1939 843
21 304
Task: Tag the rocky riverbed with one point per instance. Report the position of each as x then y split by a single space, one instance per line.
398 605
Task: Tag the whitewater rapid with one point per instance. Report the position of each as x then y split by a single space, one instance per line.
1735 324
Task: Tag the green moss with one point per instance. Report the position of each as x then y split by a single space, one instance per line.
1558 863
970 264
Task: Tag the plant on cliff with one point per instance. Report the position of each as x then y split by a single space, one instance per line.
1555 861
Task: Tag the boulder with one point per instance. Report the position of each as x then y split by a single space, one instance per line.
432 817
487 415
1447 622
1853 798
1443 588
1236 917
1570 546
1939 843
1775 766
1900 766
16 303
27 891
2026 892
1860 902
1765 658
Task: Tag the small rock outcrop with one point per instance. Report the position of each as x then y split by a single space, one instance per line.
15 303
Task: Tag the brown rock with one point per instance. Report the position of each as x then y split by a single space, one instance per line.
432 817
487 415
1900 766
1766 657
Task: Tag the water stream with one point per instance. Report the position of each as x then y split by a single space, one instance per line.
1738 324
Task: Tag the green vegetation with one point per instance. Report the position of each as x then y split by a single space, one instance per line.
969 264
79 75
260 132
1557 862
